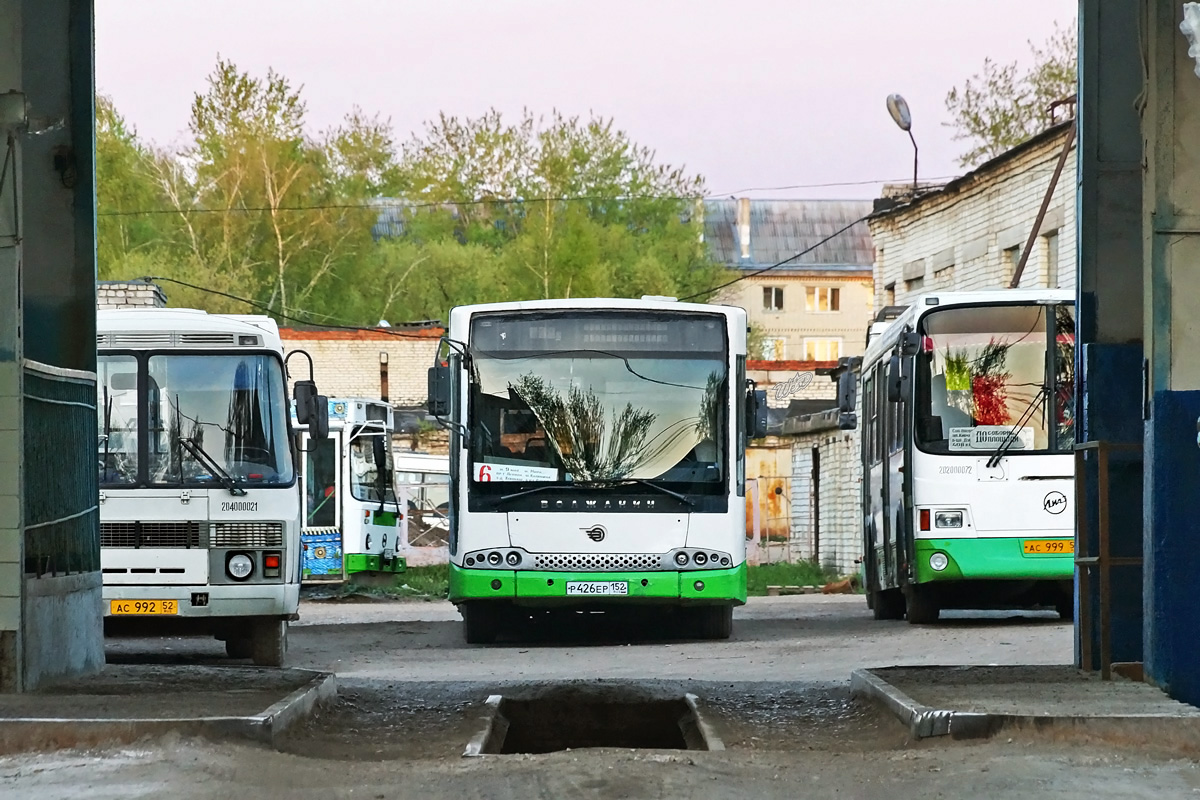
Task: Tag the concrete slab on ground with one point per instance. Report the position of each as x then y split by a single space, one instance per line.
127 702
974 702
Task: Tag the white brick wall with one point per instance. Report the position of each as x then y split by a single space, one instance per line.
770 374
962 240
347 363
127 294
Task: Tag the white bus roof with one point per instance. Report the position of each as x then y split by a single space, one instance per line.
884 339
178 327
601 302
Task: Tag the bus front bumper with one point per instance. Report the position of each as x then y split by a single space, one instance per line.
692 587
216 601
996 558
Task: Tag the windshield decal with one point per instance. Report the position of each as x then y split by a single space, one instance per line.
989 437
485 472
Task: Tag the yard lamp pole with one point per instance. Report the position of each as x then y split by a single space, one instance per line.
899 111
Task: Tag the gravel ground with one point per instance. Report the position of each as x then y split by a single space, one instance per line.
411 696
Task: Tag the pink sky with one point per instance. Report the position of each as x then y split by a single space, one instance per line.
757 93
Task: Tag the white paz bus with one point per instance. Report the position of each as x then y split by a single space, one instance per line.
968 430
597 459
199 500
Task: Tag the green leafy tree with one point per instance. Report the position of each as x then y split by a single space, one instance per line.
1003 105
127 187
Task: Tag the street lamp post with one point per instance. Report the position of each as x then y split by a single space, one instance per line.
900 113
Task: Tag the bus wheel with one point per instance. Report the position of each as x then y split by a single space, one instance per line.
922 607
715 622
239 647
480 621
269 647
887 604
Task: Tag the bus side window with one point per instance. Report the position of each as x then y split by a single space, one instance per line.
868 399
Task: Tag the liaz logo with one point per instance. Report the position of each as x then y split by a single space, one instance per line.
596 533
1055 503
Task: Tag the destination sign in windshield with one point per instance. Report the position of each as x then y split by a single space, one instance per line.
659 333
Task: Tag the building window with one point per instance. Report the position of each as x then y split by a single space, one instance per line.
889 294
1052 260
822 298
822 349
772 298
774 349
1012 257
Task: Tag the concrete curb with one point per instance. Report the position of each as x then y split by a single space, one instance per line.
18 734
490 740
708 734
922 721
1178 733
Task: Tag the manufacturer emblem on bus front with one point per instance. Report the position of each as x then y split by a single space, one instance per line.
596 533
1055 502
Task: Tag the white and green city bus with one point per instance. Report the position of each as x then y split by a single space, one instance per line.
967 436
199 505
354 522
597 459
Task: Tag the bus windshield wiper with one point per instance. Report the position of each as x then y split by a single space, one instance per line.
212 466
663 489
1012 434
547 487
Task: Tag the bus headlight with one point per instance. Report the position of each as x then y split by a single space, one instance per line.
513 559
239 566
939 561
494 559
681 559
947 519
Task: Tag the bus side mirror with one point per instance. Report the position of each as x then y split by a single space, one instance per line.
910 343
302 393
847 422
846 391
318 416
756 408
895 381
439 391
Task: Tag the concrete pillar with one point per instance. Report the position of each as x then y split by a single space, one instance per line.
1171 126
1109 325
50 613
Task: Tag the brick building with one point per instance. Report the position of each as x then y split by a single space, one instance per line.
129 294
813 308
969 234
389 364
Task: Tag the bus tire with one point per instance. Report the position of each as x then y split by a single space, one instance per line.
479 623
269 645
714 622
887 604
922 608
239 647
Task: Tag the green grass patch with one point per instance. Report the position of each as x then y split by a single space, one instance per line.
431 583
800 573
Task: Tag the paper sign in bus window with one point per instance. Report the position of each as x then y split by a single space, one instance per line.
989 437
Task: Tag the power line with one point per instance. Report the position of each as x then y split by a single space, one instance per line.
788 260
280 314
716 195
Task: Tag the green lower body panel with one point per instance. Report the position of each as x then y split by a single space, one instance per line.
990 559
364 563
694 587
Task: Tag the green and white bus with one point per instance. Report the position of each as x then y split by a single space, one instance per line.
597 459
968 471
354 521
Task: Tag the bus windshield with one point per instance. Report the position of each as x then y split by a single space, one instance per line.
369 479
986 379
598 398
228 408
